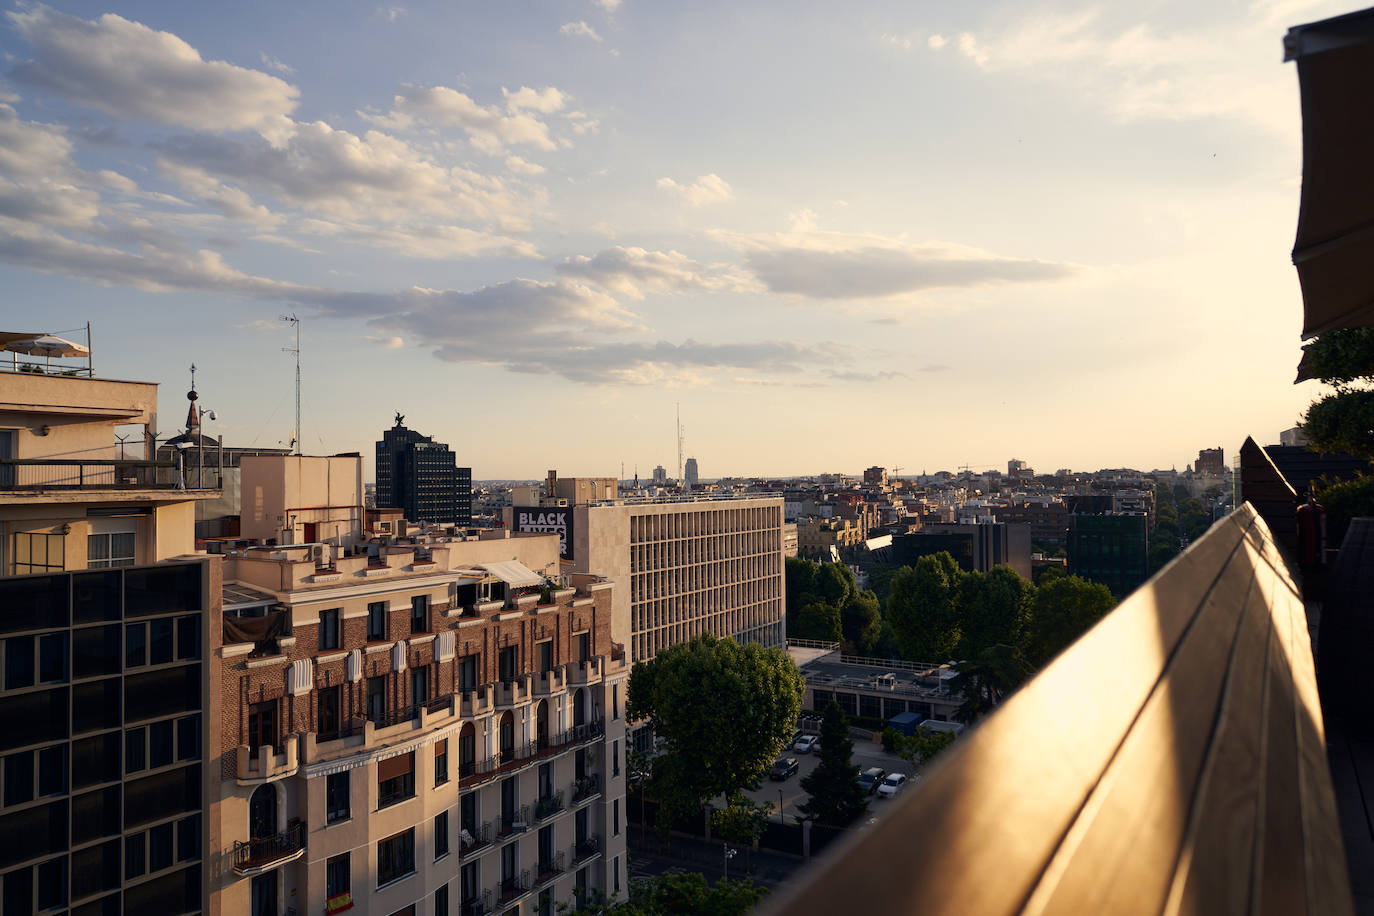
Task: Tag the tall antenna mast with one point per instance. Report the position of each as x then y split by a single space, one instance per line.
679 441
296 350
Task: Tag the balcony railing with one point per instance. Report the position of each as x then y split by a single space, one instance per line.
440 705
1172 760
585 848
389 717
512 887
549 867
474 837
516 821
479 905
585 788
548 806
81 474
264 853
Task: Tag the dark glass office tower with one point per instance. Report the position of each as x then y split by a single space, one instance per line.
421 478
103 716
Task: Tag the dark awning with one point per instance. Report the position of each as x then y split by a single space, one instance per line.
1334 250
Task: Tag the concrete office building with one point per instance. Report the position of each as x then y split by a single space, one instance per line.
977 547
108 706
691 473
421 478
686 567
420 727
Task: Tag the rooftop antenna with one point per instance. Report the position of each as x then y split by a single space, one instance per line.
679 441
296 350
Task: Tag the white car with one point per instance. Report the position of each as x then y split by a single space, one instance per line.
891 785
806 744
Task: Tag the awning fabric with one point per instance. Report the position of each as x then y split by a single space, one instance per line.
513 573
1335 241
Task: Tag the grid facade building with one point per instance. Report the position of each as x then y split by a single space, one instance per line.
1110 549
691 567
420 477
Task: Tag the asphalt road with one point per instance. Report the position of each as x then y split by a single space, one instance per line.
866 754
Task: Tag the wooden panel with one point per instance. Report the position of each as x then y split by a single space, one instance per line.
1164 763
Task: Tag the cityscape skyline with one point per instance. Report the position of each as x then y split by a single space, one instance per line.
1036 231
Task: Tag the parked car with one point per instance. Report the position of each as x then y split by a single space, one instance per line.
870 778
806 744
891 785
783 768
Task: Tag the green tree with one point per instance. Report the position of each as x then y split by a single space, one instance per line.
836 796
923 745
741 821
835 583
818 619
723 711
1342 421
993 609
920 608
861 621
1062 611
678 895
988 679
801 585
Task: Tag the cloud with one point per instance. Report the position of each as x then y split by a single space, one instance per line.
707 189
433 242
488 127
345 176
391 13
817 264
634 271
271 63
521 167
579 29
132 72
936 42
609 6
391 343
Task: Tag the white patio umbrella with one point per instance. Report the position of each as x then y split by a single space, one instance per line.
49 346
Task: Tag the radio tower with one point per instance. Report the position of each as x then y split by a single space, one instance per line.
679 442
296 322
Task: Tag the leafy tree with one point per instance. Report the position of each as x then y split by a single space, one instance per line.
818 620
921 610
1062 611
988 679
993 609
741 821
836 796
1342 421
678 895
723 711
1344 500
835 583
801 583
861 621
923 745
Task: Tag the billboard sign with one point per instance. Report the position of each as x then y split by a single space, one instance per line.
556 520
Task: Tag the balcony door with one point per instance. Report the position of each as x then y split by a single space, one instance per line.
7 451
262 813
264 894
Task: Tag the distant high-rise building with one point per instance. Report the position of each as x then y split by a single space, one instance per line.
421 478
1110 549
876 476
660 475
1211 461
691 473
1017 468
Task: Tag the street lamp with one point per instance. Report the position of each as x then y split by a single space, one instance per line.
729 854
780 820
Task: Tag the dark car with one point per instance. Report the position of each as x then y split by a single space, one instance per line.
869 779
783 768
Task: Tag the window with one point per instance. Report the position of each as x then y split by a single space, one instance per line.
376 621
467 672
105 550
615 817
263 895
615 757
396 857
395 779
419 686
329 629
327 720
336 797
505 662
376 698
546 655
419 614
440 835
441 900
616 863
509 863
584 647
337 875
440 762
36 553
615 701
262 725
470 889
467 816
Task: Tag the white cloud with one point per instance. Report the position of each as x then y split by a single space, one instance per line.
579 29
488 127
634 271
936 42
130 71
271 63
609 6
707 189
819 264
969 47
432 242
391 343
391 13
545 101
521 167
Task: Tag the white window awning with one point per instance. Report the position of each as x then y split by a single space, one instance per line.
513 573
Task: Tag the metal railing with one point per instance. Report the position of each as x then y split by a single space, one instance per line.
263 852
549 867
474 837
585 848
516 821
78 474
586 787
479 905
512 887
549 805
397 716
440 704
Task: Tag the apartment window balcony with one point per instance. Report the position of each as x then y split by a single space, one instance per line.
585 672
255 856
548 806
260 764
587 787
476 906
513 822
471 839
548 869
512 888
589 847
471 772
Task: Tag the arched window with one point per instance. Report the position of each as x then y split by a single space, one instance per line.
262 812
507 735
580 706
541 723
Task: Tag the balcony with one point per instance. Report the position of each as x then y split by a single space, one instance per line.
268 763
1172 760
548 806
476 906
515 691
473 838
512 888
587 787
585 672
131 477
477 701
548 868
513 822
472 772
253 857
589 847
553 681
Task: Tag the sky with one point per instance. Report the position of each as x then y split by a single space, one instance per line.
912 234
